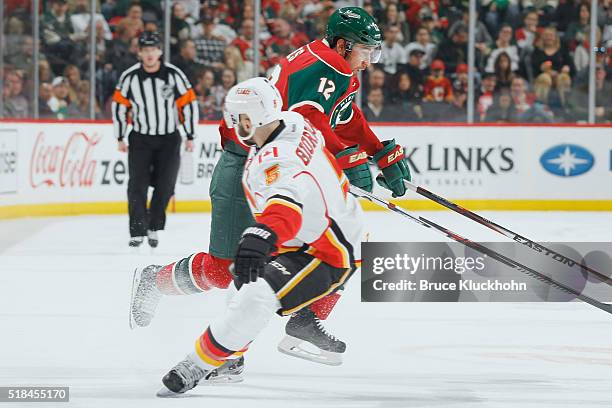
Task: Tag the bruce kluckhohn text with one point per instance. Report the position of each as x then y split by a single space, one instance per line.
405 265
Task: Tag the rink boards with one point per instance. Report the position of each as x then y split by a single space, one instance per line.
75 168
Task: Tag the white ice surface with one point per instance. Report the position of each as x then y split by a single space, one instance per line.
64 290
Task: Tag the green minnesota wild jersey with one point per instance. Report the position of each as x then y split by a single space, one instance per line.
317 75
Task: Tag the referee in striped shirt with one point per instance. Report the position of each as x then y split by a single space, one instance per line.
154 106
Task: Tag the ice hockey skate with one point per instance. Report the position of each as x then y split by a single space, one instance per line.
135 242
152 239
305 327
186 375
145 296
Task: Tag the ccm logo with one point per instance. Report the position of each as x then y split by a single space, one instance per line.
357 157
399 152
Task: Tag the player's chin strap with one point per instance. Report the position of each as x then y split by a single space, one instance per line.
356 191
504 231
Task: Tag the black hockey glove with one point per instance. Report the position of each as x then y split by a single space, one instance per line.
255 246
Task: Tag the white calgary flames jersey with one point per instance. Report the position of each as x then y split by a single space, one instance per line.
294 186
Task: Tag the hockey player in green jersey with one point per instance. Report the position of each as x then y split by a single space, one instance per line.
319 81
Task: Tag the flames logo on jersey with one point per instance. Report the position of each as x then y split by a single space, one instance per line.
243 91
272 174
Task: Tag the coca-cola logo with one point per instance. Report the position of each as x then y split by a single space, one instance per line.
67 165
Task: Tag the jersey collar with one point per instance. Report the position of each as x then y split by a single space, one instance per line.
281 126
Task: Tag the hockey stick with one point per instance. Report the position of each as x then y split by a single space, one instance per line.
505 231
358 192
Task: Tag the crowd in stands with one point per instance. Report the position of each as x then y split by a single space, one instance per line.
531 56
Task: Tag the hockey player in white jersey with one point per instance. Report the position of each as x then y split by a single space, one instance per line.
305 244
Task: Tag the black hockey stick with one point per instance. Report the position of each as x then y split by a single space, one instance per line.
356 191
539 248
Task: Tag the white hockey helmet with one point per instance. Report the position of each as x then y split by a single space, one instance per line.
257 98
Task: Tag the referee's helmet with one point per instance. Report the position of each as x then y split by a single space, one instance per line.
149 39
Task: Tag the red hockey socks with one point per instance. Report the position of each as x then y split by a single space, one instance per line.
195 274
323 307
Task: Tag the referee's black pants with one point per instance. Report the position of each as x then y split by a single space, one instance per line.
152 161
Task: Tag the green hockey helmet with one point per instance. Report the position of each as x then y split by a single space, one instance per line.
354 25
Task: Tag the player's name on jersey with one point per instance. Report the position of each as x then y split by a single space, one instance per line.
490 285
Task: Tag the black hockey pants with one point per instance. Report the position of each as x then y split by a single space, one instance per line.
152 161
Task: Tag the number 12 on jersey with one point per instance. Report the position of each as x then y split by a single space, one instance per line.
326 87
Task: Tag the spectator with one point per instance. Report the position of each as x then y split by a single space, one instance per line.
150 24
559 99
579 99
482 38
579 30
180 28
460 79
456 110
15 103
418 11
438 88
73 76
526 35
406 98
522 101
59 104
550 57
44 72
392 52
423 43
102 44
121 54
499 11
486 94
46 100
24 59
83 101
234 61
503 71
436 34
375 109
58 36
453 51
413 68
133 18
186 61
503 109
393 17
282 42
548 10
375 80
228 79
540 112
210 47
503 44
582 54
191 7
244 41
80 20
558 13
206 100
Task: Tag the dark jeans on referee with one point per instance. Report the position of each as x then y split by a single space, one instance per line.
152 161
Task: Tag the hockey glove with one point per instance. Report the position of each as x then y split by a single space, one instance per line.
255 246
390 159
354 162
